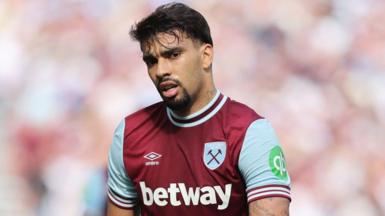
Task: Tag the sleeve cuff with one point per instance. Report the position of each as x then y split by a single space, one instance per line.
121 202
261 192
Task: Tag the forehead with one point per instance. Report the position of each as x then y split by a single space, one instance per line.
166 40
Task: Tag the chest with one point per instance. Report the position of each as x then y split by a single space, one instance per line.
185 167
195 156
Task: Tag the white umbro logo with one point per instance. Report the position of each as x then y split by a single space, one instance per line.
151 157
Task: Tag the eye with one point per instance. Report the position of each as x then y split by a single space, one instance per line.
175 54
150 61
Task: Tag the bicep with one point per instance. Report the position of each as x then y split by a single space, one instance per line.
274 206
113 210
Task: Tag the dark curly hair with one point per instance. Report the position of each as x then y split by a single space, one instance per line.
171 18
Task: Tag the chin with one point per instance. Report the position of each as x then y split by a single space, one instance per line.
178 103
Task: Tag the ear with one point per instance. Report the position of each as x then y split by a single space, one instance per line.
207 56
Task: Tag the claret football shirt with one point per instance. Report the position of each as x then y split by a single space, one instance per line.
213 162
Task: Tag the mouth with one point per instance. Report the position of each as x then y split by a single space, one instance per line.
168 89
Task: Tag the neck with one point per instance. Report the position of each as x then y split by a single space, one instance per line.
197 103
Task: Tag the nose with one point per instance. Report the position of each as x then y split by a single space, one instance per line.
164 68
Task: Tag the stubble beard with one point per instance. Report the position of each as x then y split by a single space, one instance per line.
178 104
175 103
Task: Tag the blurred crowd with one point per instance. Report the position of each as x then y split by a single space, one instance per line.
69 73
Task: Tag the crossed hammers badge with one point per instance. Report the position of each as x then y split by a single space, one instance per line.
214 154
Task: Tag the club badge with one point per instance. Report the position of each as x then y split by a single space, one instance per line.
214 154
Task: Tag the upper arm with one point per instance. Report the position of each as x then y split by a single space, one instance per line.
262 164
121 190
273 206
113 210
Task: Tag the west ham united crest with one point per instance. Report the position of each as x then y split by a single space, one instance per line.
214 154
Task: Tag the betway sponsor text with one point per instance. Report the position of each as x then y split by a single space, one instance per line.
206 195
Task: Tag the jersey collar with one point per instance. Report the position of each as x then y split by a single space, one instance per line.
201 115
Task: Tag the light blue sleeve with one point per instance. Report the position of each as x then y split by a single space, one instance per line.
262 163
121 190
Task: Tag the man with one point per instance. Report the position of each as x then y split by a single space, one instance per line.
197 152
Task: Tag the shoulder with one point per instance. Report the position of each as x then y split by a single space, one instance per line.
138 118
240 114
149 110
237 118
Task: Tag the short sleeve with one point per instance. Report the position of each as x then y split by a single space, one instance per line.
262 163
121 190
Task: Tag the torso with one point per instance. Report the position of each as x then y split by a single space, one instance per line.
188 166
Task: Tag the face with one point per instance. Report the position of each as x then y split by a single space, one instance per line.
178 68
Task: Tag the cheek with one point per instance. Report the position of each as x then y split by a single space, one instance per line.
194 78
152 75
188 71
193 66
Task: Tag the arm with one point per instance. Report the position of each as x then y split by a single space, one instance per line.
113 210
262 165
121 191
274 206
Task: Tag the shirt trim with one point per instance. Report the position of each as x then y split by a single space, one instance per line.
268 191
127 204
200 116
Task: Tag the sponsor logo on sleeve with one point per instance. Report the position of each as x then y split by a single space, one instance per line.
277 163
214 154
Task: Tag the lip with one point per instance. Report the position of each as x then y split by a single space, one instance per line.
168 88
165 84
170 93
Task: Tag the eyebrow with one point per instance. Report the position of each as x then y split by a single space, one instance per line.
169 52
148 57
165 53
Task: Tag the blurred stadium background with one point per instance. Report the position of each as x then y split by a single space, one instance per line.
69 73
